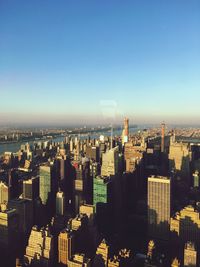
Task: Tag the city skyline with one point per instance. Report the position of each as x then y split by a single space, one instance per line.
97 62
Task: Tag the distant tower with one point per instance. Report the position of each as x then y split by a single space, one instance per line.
159 206
163 137
126 129
126 126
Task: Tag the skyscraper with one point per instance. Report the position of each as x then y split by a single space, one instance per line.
125 132
31 188
162 137
179 159
40 247
101 190
24 210
60 203
159 206
45 183
186 224
65 246
126 127
110 162
196 179
103 250
4 193
8 228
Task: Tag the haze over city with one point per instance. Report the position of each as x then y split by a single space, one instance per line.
99 133
68 62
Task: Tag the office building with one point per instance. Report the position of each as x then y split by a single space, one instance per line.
24 211
110 162
4 193
162 137
8 228
89 210
79 260
101 190
31 188
66 241
159 206
92 152
45 183
190 255
114 262
60 203
81 220
104 251
40 248
95 169
186 224
125 132
196 181
133 155
179 159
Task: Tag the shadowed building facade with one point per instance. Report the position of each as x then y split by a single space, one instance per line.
186 224
159 206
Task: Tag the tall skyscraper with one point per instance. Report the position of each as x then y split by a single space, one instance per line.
60 203
110 162
125 132
45 183
101 190
126 127
65 246
159 206
163 137
24 211
31 188
179 159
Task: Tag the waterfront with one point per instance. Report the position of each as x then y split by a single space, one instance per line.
14 147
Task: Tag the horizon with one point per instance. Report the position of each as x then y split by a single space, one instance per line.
96 63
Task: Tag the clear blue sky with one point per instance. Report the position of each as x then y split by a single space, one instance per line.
99 60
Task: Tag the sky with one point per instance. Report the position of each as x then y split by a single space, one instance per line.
98 61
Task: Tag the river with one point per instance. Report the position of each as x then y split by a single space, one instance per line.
14 147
